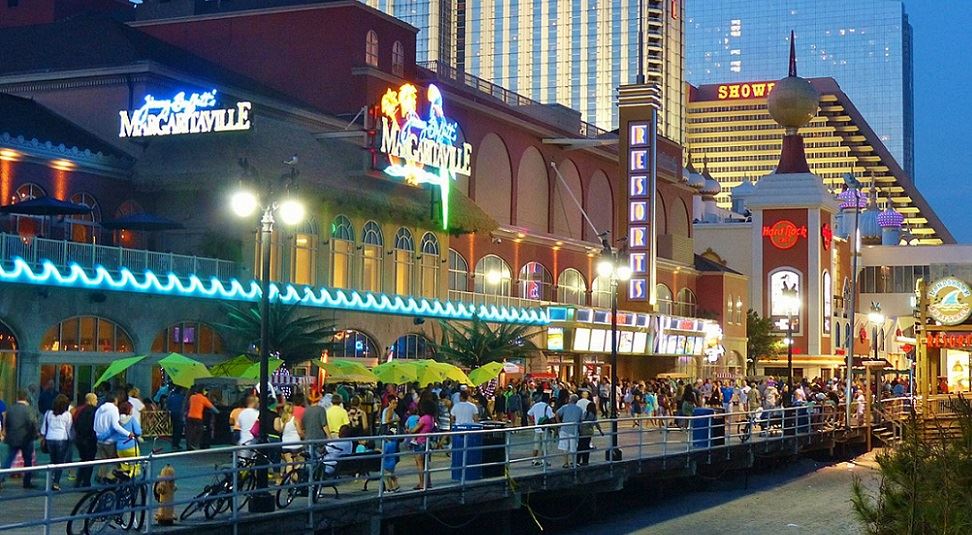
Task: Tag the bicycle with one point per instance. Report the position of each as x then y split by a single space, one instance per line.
101 508
217 497
295 483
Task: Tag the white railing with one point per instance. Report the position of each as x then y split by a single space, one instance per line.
63 253
454 462
495 300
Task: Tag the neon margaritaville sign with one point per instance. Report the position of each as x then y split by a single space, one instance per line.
422 148
181 114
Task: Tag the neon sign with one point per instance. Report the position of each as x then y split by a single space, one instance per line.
827 235
422 150
182 115
784 234
747 90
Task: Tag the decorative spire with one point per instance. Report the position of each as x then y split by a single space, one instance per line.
793 104
691 165
793 71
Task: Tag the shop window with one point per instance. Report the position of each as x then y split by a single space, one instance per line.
342 250
372 245
535 282
663 298
685 303
492 276
188 338
85 228
601 292
412 346
352 343
304 269
398 59
458 272
87 334
571 287
429 267
404 249
371 48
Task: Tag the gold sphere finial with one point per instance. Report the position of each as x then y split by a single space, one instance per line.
794 101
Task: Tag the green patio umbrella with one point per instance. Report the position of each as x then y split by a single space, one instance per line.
253 370
183 370
395 372
346 371
234 367
118 366
485 373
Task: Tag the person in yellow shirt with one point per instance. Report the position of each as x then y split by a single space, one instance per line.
337 417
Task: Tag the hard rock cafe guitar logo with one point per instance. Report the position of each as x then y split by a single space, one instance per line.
949 301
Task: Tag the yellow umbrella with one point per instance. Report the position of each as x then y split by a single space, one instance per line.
395 372
485 373
234 367
346 371
430 371
183 370
253 370
455 373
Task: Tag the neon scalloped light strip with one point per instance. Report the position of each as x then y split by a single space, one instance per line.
234 290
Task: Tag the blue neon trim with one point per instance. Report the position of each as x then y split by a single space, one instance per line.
171 285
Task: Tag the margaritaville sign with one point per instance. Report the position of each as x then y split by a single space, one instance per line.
181 114
422 148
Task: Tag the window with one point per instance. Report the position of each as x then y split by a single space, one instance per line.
686 303
84 227
188 338
87 334
535 282
342 248
305 254
372 244
371 48
663 296
458 272
130 238
740 313
404 249
412 346
837 339
492 276
398 59
779 309
601 292
429 266
828 297
571 287
352 343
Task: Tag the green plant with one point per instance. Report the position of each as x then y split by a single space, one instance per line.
760 340
477 343
291 336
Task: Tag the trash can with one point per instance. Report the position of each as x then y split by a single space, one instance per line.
494 449
702 427
467 453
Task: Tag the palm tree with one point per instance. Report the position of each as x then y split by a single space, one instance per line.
477 343
291 336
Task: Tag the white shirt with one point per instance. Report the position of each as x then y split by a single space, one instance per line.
137 408
583 403
326 401
106 419
464 412
246 418
56 427
540 410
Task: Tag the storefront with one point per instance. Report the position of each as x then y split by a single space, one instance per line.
945 344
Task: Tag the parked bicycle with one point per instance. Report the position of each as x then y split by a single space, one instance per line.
310 476
217 497
120 505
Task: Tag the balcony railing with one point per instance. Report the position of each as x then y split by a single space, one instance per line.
63 253
496 300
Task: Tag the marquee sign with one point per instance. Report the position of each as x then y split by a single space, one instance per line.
784 234
949 301
422 150
949 340
745 90
195 114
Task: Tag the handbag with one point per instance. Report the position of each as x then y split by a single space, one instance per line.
43 440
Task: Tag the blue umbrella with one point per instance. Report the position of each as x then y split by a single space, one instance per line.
45 206
145 222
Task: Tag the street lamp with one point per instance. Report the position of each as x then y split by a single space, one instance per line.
791 302
854 186
877 319
275 202
613 265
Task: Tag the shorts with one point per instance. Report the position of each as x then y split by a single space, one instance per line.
417 447
539 440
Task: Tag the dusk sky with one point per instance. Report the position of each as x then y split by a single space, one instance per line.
943 114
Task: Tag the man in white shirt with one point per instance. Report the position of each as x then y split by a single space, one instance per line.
247 418
584 400
464 412
539 414
106 422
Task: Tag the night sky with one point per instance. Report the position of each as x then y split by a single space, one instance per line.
943 108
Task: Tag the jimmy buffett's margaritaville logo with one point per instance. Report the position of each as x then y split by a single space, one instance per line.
422 149
949 301
181 114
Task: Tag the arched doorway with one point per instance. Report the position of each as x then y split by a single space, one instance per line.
76 351
8 363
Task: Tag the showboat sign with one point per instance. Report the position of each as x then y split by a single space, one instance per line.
195 114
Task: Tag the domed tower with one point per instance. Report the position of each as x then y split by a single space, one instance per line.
870 229
710 188
845 219
891 222
739 195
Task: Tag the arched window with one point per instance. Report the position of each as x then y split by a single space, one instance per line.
828 299
352 343
571 287
188 338
535 282
492 276
787 279
85 227
125 237
398 59
837 339
601 292
372 244
429 265
28 225
458 272
342 250
686 303
87 334
740 313
663 296
404 249
304 258
371 48
412 346
730 310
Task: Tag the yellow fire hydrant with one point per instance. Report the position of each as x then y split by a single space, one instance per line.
164 492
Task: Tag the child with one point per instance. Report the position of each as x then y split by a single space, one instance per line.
410 423
389 460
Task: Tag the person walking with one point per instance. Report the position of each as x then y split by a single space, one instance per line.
314 424
85 438
56 434
19 432
587 427
175 403
108 428
570 415
540 414
424 426
126 442
291 433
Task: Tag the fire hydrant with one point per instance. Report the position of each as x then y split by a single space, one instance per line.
164 492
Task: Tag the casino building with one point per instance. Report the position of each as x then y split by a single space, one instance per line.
427 197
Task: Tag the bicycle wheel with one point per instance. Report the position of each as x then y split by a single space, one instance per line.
197 504
320 484
247 484
76 526
103 512
289 489
136 502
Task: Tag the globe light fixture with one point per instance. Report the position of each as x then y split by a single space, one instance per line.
291 212
494 277
605 267
243 203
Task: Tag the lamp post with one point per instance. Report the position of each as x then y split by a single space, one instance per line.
853 185
244 204
876 318
614 266
791 300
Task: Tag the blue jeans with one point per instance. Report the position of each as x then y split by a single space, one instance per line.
60 451
27 450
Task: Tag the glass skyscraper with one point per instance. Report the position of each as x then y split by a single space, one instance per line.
863 44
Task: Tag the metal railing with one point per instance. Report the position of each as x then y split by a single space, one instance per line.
495 300
63 253
216 484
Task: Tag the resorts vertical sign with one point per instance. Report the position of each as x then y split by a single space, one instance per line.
181 114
